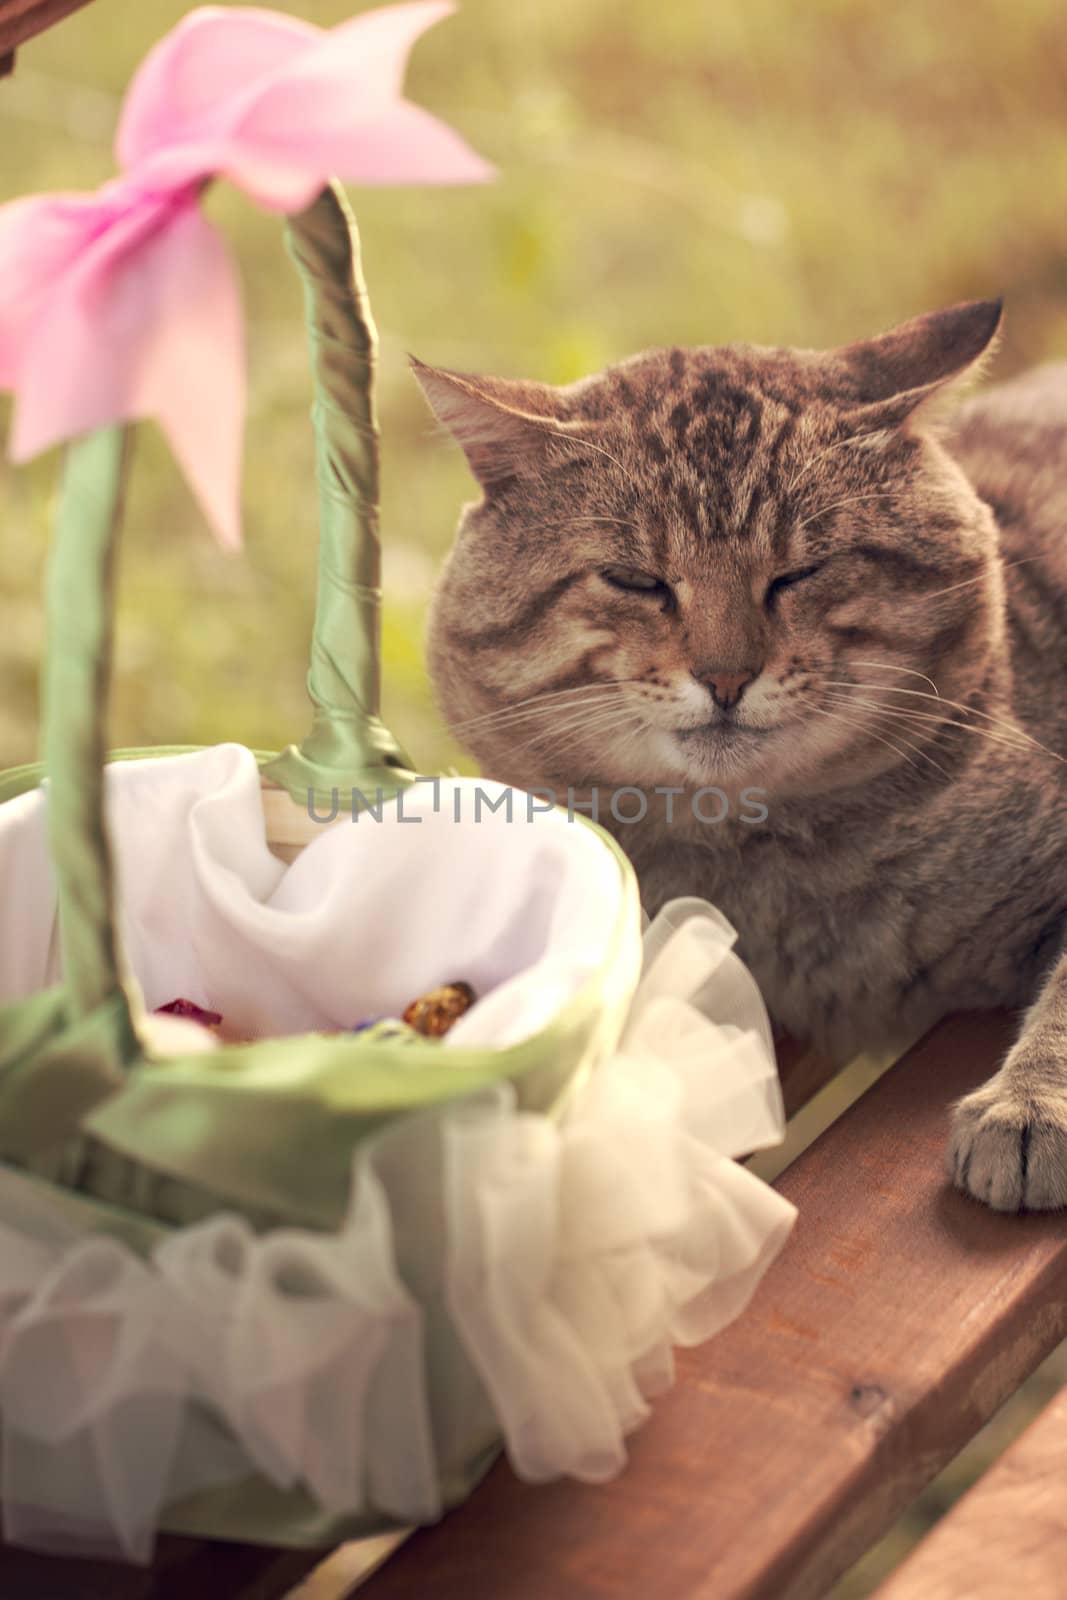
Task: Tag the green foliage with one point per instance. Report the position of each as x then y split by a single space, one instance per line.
800 171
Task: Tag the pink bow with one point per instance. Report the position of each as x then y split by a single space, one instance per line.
124 303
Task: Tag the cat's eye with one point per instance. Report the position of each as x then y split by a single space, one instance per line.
633 581
787 580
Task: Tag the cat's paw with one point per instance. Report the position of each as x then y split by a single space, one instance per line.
1009 1149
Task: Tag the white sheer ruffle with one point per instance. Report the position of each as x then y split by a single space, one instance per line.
581 1252
280 1336
577 1252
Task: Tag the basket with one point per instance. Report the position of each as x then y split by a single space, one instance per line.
297 1289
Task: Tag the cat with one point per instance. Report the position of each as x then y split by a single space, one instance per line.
826 579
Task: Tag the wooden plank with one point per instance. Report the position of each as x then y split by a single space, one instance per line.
344 1569
1008 1535
184 1569
803 1073
23 19
899 1317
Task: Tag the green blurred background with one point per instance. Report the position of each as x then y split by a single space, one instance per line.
799 171
781 171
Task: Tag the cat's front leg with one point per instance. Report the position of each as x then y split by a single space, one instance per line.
1008 1145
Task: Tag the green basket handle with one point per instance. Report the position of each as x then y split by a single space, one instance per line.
79 602
347 744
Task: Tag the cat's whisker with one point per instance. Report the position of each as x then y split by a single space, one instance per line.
911 718
534 713
548 699
569 438
606 719
850 500
862 727
587 719
838 444
625 740
891 666
581 730
537 726
912 713
921 749
969 582
1002 723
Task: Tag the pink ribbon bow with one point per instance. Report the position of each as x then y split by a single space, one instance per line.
124 303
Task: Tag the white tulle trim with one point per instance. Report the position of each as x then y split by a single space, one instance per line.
577 1253
580 1253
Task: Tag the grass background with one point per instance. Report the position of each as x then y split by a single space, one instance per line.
782 171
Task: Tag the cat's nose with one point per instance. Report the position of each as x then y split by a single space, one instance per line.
728 687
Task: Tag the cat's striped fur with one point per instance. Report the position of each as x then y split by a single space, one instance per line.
853 599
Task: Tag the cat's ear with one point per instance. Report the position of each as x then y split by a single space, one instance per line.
502 425
910 374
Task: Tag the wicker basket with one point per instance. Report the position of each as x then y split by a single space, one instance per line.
86 1118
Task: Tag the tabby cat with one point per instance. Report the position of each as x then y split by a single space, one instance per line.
821 577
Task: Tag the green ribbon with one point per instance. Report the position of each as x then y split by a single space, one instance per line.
64 1050
79 600
348 745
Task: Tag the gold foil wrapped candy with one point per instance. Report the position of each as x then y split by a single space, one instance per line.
433 1014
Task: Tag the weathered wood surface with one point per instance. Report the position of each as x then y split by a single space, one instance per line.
898 1318
1008 1535
21 20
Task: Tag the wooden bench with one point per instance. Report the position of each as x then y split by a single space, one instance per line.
1007 1536
898 1318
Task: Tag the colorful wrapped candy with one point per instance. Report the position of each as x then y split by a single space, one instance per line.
192 1012
430 1016
433 1014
